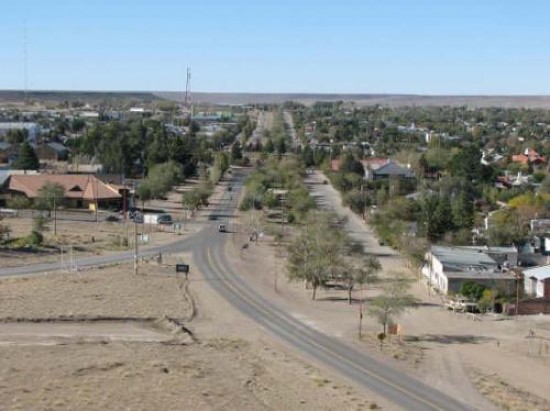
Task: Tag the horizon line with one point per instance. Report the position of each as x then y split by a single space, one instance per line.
272 93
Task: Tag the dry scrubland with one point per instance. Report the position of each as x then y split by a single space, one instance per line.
112 292
86 238
46 370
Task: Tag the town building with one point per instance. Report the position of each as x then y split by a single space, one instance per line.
447 268
537 281
81 190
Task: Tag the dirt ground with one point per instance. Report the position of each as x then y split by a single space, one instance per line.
81 239
448 351
105 339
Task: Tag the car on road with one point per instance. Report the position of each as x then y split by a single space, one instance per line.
222 228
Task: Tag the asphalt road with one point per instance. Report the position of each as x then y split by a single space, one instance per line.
406 392
208 248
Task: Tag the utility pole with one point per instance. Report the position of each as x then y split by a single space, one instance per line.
97 205
360 311
517 294
72 263
62 259
283 215
135 249
363 194
54 215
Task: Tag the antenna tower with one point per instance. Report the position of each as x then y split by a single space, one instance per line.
187 100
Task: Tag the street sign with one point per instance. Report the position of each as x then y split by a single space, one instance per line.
182 268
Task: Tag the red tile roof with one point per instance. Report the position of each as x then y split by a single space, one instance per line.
77 186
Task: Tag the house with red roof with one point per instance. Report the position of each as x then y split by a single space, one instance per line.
529 156
81 190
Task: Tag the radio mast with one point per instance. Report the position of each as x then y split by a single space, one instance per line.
187 100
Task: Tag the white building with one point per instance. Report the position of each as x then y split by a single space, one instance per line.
536 281
447 268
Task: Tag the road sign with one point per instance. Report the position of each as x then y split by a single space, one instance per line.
182 268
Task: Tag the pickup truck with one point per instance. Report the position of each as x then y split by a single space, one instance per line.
462 305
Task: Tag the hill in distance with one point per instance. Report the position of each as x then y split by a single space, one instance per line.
391 100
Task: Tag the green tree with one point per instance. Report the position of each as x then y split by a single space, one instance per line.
463 209
443 217
472 290
269 147
19 202
393 302
281 146
26 158
316 254
236 152
350 164
361 272
50 195
545 185
17 136
160 180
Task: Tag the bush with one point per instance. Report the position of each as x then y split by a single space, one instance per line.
39 223
473 290
119 241
250 202
35 238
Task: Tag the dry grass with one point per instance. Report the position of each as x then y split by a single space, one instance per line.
85 238
505 395
152 376
112 292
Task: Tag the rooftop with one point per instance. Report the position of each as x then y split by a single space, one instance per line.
540 273
480 275
491 249
459 259
85 186
393 169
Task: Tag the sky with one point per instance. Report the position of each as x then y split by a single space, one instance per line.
300 46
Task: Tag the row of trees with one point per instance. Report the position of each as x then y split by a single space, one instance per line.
160 180
323 255
323 252
284 174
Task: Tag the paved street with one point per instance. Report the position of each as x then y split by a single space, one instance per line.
207 246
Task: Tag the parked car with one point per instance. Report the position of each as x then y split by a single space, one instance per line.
165 219
462 304
137 218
